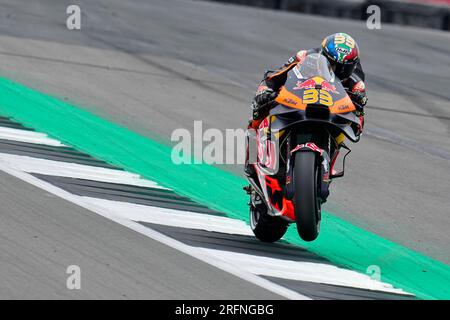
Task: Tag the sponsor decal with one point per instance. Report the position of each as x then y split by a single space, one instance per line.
343 51
329 87
307 84
308 145
290 101
344 107
311 84
297 73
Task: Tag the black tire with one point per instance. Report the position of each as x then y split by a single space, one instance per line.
306 202
266 228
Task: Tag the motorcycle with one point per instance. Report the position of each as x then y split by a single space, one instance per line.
297 146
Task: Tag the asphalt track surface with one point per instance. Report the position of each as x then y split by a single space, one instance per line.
155 66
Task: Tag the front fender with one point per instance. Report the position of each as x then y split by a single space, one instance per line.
324 160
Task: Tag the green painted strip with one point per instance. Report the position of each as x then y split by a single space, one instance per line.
341 242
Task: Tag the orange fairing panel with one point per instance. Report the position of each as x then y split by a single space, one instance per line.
343 105
289 99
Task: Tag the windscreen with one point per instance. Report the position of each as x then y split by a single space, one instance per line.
315 64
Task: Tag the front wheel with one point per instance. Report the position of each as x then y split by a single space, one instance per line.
306 201
266 228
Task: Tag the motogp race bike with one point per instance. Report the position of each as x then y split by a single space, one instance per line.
296 147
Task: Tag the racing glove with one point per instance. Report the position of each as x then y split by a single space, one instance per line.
359 98
262 102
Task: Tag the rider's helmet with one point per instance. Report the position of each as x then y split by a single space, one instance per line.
342 52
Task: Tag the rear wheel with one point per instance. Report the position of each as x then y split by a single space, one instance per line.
306 202
266 228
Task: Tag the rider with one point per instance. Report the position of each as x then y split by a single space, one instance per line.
342 52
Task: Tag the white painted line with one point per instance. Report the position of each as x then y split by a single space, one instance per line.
304 271
286 269
174 218
216 261
28 136
74 170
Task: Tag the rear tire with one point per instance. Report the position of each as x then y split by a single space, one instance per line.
306 201
266 228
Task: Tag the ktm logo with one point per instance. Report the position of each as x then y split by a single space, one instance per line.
290 101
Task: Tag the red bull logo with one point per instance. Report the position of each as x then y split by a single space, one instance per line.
329 87
307 84
311 84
